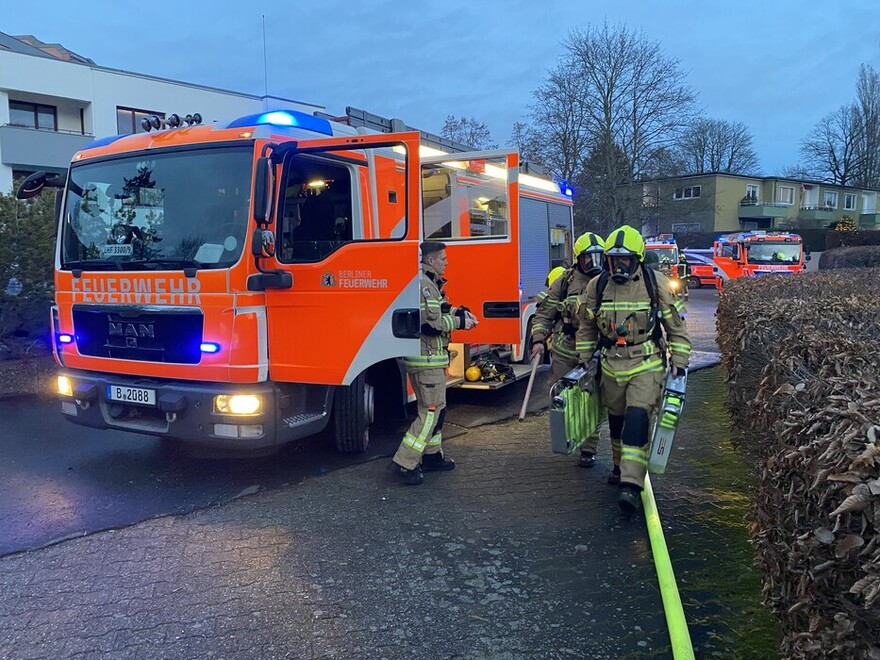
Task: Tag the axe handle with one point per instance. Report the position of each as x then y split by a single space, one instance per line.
525 405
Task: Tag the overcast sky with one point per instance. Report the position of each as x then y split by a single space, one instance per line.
777 65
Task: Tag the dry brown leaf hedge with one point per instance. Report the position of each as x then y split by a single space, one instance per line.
803 360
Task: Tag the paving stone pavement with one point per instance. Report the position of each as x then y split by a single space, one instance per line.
517 553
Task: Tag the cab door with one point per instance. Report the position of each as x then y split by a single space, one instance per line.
347 230
471 203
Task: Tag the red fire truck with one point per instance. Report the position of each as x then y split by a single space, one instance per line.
245 284
758 253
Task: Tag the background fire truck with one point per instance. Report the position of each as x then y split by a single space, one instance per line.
758 253
245 284
666 259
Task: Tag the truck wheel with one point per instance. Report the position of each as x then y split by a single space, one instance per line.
352 416
694 283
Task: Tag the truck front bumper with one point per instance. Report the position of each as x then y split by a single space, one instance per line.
185 410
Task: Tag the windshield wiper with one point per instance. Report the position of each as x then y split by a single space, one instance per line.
188 266
94 264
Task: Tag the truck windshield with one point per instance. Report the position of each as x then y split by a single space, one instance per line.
775 253
666 255
168 210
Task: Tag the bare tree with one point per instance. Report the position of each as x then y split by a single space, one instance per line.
831 149
632 102
528 142
716 145
469 131
561 122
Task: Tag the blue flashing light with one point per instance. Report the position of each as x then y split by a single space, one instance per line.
65 339
564 188
210 347
289 118
103 142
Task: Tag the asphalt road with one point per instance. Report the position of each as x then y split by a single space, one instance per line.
59 480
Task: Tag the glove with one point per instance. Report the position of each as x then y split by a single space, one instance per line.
537 349
592 368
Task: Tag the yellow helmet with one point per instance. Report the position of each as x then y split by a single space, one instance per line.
554 275
588 242
473 374
624 250
589 251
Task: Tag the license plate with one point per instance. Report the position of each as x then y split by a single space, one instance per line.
137 395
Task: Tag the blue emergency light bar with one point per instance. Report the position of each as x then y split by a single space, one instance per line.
104 141
564 188
289 118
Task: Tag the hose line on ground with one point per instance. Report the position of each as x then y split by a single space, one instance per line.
675 620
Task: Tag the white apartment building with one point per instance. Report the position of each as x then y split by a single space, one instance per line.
53 102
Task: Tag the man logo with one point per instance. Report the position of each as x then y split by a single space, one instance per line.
328 280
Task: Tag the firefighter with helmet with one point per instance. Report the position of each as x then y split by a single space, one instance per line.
556 319
421 449
551 277
625 313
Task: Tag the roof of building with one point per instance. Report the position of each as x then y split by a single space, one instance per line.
56 51
30 45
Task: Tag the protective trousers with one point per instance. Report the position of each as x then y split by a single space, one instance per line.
634 401
424 434
562 364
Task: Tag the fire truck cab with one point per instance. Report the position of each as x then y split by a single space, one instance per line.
758 253
664 255
248 283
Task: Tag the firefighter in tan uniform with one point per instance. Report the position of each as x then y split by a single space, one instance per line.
624 312
556 320
420 449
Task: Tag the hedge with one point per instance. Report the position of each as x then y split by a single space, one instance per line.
867 256
804 390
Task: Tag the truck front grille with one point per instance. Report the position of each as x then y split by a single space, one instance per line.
132 333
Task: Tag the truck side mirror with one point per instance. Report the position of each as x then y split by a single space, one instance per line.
261 191
34 184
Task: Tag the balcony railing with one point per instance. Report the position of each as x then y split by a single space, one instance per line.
818 208
47 130
758 202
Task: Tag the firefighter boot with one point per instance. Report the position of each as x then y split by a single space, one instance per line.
437 462
629 498
614 477
409 477
587 459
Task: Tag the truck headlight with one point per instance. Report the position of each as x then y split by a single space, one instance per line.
65 386
238 404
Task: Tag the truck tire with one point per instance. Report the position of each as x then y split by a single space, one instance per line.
352 416
694 282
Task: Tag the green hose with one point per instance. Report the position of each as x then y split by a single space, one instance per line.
675 621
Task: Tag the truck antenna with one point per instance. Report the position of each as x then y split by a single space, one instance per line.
265 60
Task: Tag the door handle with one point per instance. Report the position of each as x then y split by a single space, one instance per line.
406 323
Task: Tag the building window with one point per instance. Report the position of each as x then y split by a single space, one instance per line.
693 192
830 199
33 115
849 202
686 227
128 120
752 193
785 195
